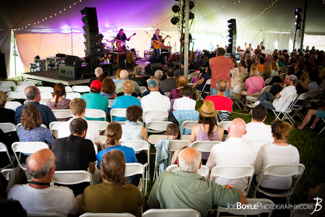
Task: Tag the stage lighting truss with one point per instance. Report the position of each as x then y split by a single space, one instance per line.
298 18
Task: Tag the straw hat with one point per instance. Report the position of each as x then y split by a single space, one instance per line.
207 109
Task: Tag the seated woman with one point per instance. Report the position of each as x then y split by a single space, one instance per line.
126 100
207 128
302 87
6 115
113 195
30 129
117 75
320 113
275 69
274 153
185 102
199 84
254 84
267 71
59 101
108 88
181 81
236 79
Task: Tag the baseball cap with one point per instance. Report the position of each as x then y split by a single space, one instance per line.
96 85
292 78
152 83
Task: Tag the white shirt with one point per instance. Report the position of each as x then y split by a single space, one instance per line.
53 199
258 131
274 73
92 132
285 92
234 151
275 154
184 103
155 101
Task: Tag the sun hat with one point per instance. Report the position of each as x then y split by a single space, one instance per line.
207 109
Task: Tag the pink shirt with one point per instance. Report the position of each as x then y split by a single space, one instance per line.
258 82
220 68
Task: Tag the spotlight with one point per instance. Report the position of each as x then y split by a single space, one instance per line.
175 8
174 20
191 16
191 5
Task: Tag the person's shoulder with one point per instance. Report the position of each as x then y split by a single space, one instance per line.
61 190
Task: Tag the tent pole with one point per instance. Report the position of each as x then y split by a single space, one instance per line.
187 12
15 54
71 43
303 27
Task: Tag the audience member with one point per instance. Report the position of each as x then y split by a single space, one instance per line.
220 101
200 83
275 69
99 75
154 101
187 189
39 195
185 102
126 100
320 113
33 96
220 69
302 87
181 81
117 75
234 151
137 77
170 82
6 115
159 74
108 89
254 85
58 101
133 128
260 64
114 195
313 81
278 152
30 129
267 71
125 77
256 129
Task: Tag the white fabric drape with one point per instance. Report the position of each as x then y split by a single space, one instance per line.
5 47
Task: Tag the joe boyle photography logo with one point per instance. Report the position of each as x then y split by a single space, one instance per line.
308 206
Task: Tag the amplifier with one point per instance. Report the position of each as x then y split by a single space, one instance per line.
72 72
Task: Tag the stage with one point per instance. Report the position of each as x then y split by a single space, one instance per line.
53 77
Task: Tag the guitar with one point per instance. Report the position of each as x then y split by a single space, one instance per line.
121 44
157 43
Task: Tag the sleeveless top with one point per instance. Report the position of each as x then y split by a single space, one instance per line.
131 131
203 136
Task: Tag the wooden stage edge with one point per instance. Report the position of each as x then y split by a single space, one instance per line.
53 77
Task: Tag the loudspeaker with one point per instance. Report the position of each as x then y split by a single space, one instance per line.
72 61
152 67
3 68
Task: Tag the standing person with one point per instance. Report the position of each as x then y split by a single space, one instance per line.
220 68
156 38
262 46
120 39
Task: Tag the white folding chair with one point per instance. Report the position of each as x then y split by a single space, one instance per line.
45 214
323 119
44 89
253 98
234 172
225 125
5 89
8 127
256 144
203 171
81 89
143 88
46 95
286 109
254 207
204 146
236 95
25 83
26 148
110 102
208 82
95 113
72 95
177 144
118 112
16 95
267 81
157 126
7 84
101 125
187 125
281 170
154 139
155 115
3 148
55 126
167 94
71 177
171 213
68 89
20 88
132 169
12 105
62 113
298 108
89 214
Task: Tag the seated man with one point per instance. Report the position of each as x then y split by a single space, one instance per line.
233 151
34 96
187 189
220 101
170 82
39 195
137 77
100 76
272 102
256 129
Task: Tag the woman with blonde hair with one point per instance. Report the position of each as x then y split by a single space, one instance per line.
254 83
274 153
267 71
59 101
181 81
30 129
302 87
275 69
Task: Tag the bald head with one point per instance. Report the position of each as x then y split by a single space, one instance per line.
40 163
237 128
189 160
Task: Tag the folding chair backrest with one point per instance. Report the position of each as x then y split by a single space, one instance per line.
132 169
238 88
118 112
284 170
137 145
72 95
81 89
43 89
187 125
203 171
44 214
267 81
101 125
88 214
154 139
68 89
225 125
204 146
3 148
155 115
143 88
62 113
256 144
110 102
157 126
16 95
12 105
25 83
177 144
7 84
20 88
289 102
266 88
5 89
71 177
7 127
171 213
95 113
167 94
55 126
46 95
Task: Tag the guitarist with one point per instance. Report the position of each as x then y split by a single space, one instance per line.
120 39
157 38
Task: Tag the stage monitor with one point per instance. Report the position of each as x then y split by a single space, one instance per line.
72 61
152 67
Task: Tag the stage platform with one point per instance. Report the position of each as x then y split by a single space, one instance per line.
53 77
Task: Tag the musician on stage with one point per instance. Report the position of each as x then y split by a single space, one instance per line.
158 39
120 39
102 45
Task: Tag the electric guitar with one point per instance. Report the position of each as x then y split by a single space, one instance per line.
121 44
157 43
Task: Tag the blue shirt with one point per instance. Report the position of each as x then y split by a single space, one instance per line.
95 101
127 151
46 113
124 102
38 134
